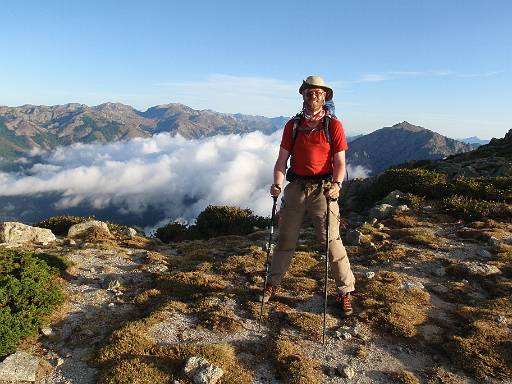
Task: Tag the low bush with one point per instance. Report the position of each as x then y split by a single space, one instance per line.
226 220
469 208
29 292
386 304
293 365
174 232
60 225
485 188
434 185
420 182
214 221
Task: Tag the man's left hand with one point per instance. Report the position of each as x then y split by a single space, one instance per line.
333 191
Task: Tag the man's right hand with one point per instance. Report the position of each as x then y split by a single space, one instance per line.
275 190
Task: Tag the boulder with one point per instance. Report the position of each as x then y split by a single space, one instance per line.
475 268
346 371
19 366
409 284
382 211
370 275
129 233
88 229
200 371
393 198
354 237
12 232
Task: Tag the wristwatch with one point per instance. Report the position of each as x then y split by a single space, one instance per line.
337 182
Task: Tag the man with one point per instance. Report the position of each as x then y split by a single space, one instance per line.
316 175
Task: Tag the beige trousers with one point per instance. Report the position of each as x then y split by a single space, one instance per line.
300 197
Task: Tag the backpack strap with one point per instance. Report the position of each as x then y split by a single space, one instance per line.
295 129
296 122
327 132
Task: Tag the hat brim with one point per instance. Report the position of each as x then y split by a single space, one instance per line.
328 91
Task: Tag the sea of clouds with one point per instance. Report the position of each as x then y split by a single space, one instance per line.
176 175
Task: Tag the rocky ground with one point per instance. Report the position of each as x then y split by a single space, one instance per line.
430 307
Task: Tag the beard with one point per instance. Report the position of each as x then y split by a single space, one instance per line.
313 105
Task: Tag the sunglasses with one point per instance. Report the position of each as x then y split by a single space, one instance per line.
314 92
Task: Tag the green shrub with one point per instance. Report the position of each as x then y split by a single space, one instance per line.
29 292
434 185
474 209
420 182
174 232
60 225
486 188
114 227
214 221
413 201
225 220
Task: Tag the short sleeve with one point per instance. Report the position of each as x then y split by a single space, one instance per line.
286 140
339 141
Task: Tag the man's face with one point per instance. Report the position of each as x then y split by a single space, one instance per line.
313 98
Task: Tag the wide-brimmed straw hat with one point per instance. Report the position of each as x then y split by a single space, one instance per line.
316 82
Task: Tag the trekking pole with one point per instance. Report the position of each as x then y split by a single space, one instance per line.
327 226
269 249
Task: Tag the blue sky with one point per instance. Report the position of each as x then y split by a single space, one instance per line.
444 65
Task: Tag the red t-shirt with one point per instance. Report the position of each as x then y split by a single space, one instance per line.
311 151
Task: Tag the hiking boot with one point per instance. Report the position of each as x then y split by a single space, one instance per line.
346 305
268 292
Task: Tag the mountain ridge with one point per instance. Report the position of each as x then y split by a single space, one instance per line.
43 127
405 142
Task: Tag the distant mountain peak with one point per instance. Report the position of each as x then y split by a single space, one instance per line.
408 126
112 107
400 143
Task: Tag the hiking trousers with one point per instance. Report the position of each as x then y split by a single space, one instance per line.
300 197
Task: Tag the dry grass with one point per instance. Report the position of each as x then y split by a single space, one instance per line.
130 356
251 263
217 315
146 296
393 252
440 376
187 285
310 324
136 371
397 252
404 377
176 306
418 236
371 234
302 263
406 221
300 286
293 366
191 254
385 303
130 340
362 352
221 355
504 253
485 345
356 251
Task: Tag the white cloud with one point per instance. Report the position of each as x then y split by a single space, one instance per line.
480 74
396 75
357 172
177 176
226 93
